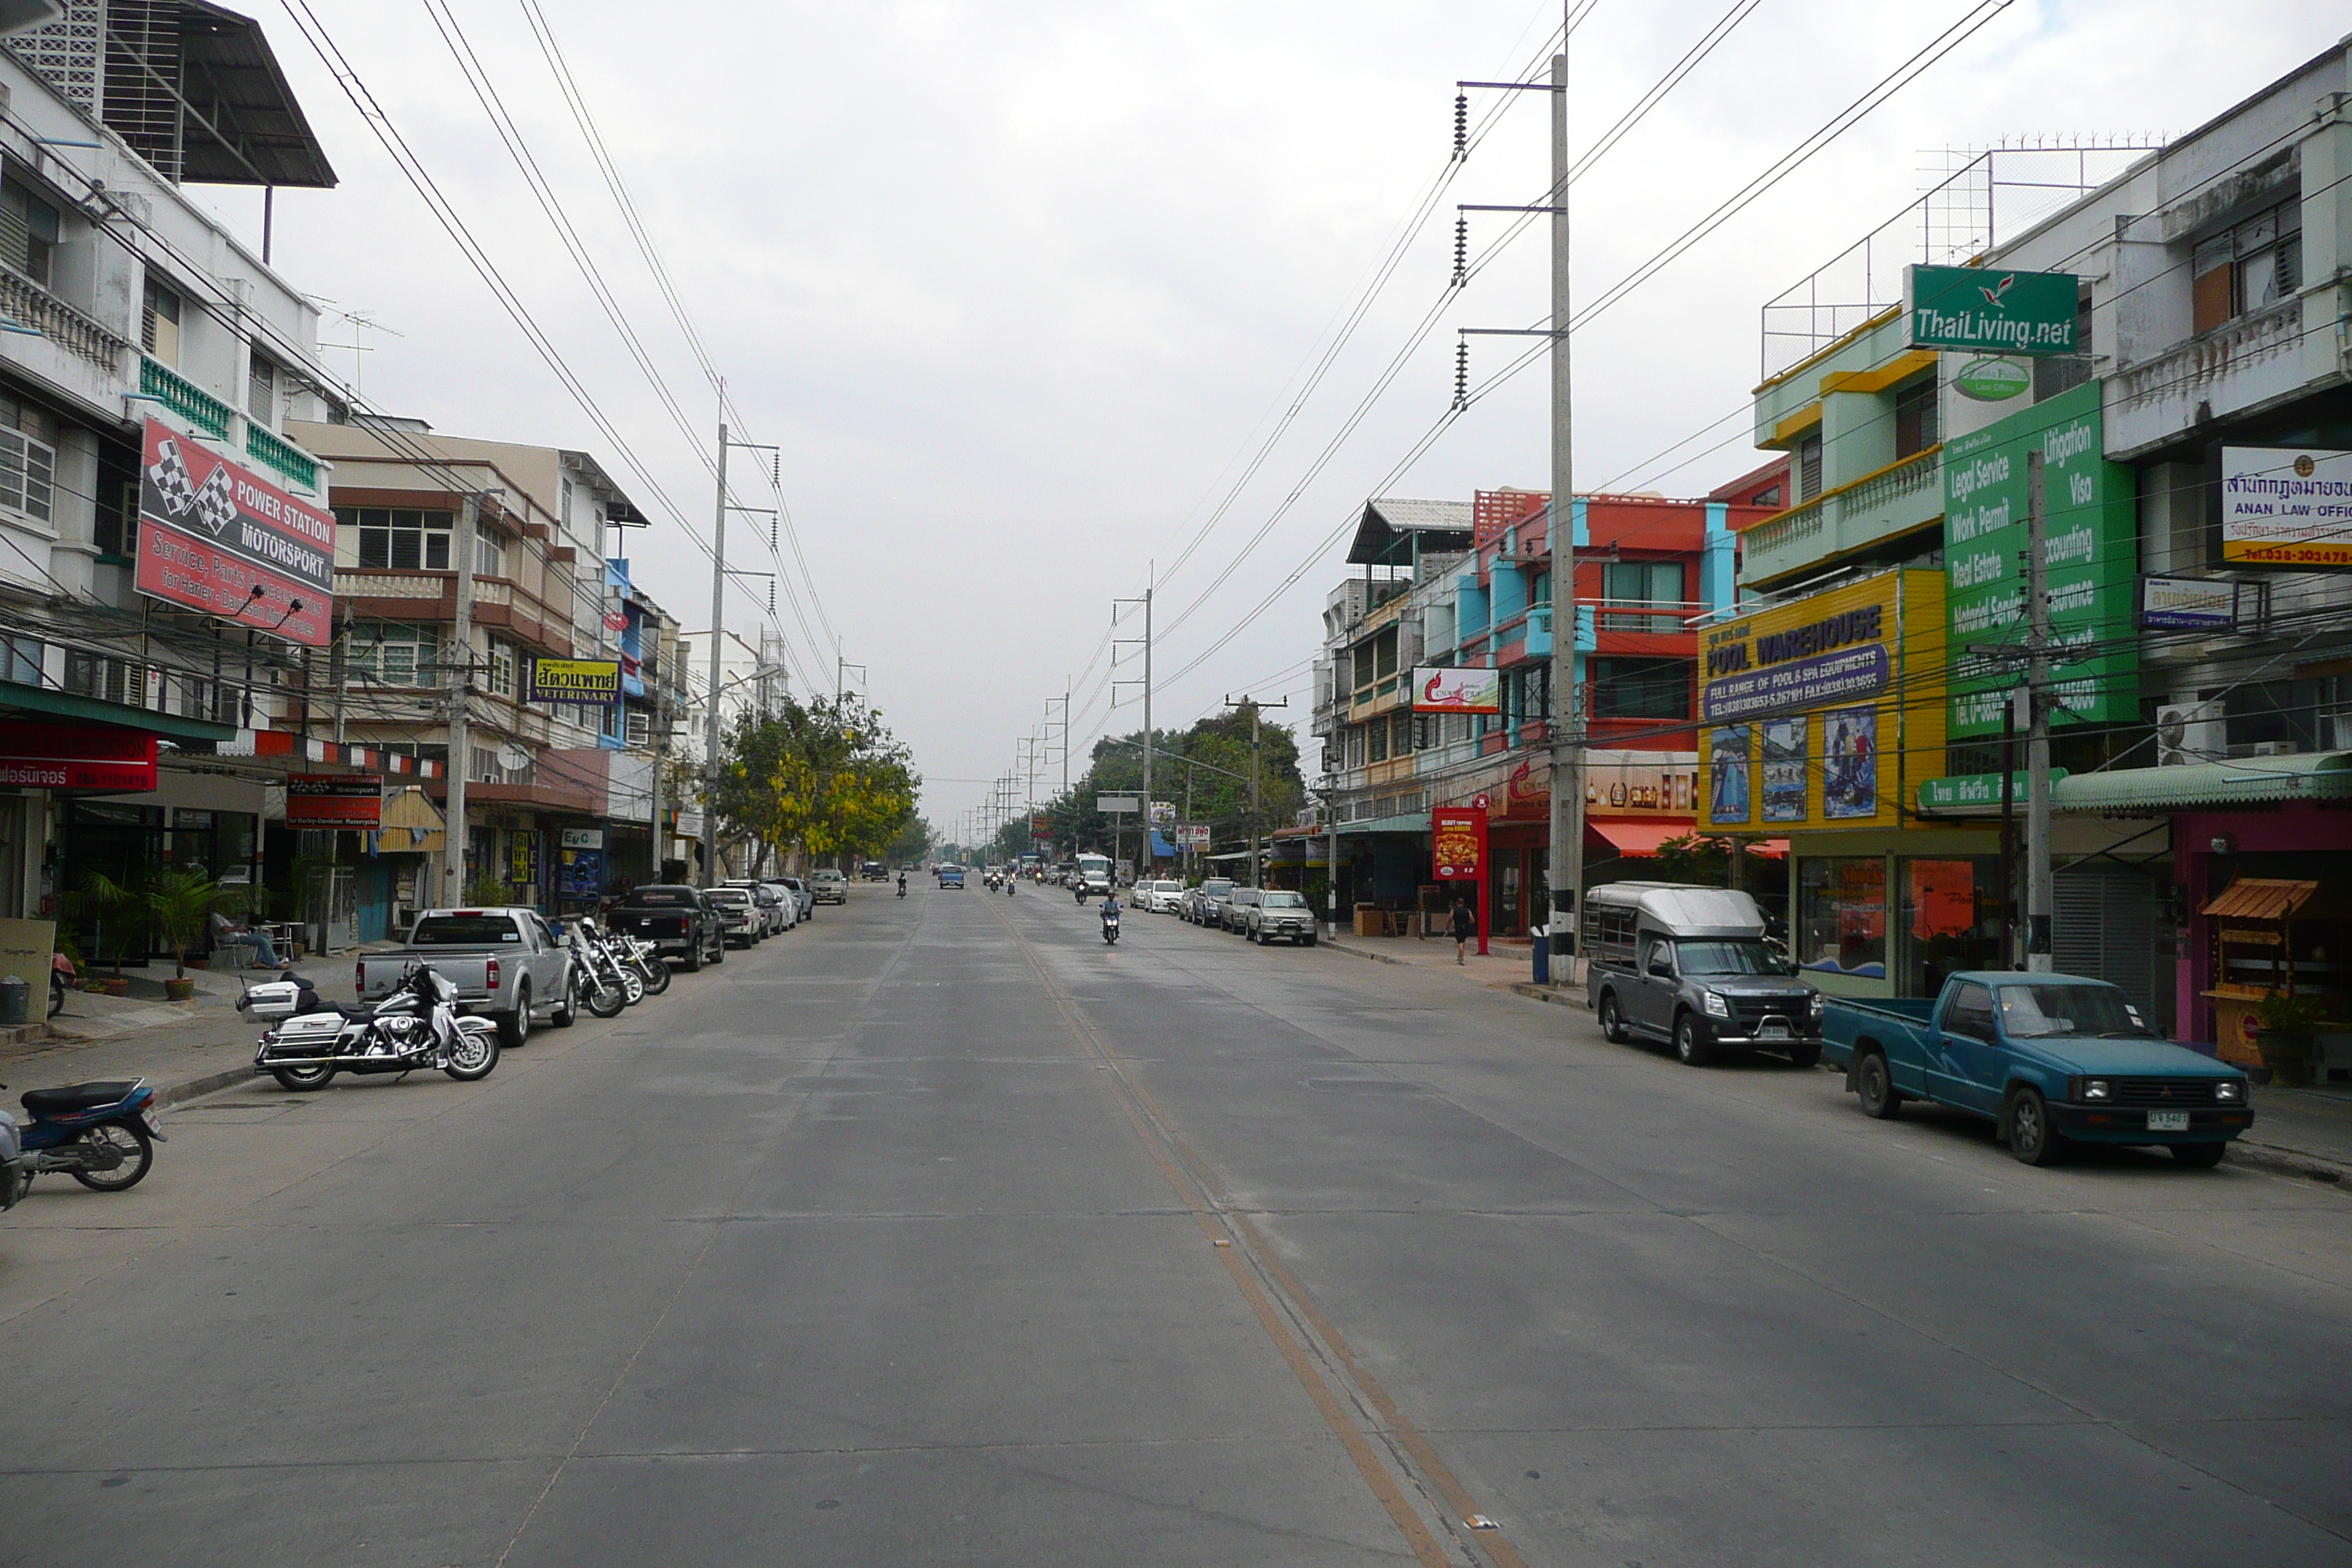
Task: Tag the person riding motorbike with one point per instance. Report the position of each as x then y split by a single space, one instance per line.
902 884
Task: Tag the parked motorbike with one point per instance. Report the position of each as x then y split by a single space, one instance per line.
606 984
415 1029
646 959
62 979
1110 925
104 1135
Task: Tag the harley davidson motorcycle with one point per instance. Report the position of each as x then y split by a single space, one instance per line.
416 1028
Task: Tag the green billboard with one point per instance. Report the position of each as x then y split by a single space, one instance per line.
2092 546
1989 310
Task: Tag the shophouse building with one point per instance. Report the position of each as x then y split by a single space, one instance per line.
166 584
559 804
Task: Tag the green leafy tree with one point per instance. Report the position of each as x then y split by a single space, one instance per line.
827 777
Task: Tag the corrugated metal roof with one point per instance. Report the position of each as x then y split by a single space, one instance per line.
2310 775
2261 899
1437 527
1402 513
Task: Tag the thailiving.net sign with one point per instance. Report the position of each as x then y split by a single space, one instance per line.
1989 311
595 682
214 537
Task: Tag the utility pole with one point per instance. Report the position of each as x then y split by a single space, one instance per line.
709 876
1257 774
2039 886
1565 872
1144 855
454 836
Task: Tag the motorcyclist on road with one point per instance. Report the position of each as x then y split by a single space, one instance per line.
902 884
1110 907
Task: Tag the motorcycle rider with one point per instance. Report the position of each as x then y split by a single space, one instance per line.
902 884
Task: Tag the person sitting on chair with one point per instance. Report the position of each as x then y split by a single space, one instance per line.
228 932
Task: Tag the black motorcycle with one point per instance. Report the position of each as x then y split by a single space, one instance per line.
416 1027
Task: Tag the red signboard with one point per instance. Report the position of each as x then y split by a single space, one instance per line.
1458 842
76 756
334 800
214 537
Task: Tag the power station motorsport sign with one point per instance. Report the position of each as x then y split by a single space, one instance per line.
2092 555
214 537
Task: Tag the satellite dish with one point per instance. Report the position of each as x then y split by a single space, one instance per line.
513 758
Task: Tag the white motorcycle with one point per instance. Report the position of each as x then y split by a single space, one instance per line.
416 1027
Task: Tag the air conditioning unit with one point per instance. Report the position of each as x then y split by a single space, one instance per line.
2190 732
2272 749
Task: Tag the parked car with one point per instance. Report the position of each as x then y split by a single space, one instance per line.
2051 1060
801 890
1207 898
829 886
1279 915
769 903
677 920
1690 965
1233 913
787 901
507 965
744 924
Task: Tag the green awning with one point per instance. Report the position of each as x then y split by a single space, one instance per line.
2240 781
18 697
1411 821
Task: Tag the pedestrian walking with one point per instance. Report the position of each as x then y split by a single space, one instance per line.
1464 926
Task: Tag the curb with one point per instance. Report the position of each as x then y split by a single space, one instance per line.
1363 953
1557 996
205 1083
2290 1161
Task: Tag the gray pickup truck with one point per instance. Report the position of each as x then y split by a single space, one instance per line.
506 964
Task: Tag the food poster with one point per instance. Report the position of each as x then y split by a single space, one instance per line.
1943 898
1728 790
1785 753
1850 762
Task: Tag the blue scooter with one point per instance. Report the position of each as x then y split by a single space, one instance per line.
101 1134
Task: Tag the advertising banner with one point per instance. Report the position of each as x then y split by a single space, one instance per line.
1117 804
1191 835
76 756
2093 553
214 537
334 800
1990 311
1458 842
578 873
1796 659
1040 825
1639 784
594 682
1786 752
581 837
2286 506
1727 797
1163 814
1457 691
1850 762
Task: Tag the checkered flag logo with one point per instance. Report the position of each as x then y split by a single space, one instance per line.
169 475
215 503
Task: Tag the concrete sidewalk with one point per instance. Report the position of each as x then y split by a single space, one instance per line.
1505 967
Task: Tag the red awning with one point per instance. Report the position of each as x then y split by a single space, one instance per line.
1770 849
1637 838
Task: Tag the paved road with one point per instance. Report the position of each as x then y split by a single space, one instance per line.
936 1232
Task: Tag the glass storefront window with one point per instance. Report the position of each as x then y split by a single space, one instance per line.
1842 916
1949 920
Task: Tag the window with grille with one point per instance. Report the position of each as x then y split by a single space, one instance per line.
28 232
640 728
1915 418
27 475
261 390
1624 582
1808 466
1640 688
400 540
388 653
159 323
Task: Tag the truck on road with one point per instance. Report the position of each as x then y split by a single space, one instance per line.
506 964
1691 966
2051 1060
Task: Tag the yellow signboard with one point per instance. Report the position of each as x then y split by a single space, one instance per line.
1816 714
595 681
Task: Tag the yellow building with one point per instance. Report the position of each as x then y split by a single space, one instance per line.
1820 718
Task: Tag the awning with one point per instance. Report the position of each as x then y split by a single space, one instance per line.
1770 849
2261 899
1639 838
2240 781
1161 849
1411 821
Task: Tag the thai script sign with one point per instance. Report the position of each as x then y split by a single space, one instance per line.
76 756
595 682
2091 548
2188 603
1457 691
215 538
1976 791
2284 506
1193 835
1990 311
334 800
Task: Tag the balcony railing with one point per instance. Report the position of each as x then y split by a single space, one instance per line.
2231 368
1653 615
185 397
26 302
282 455
1849 516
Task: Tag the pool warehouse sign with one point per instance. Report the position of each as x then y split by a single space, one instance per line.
1986 310
2091 548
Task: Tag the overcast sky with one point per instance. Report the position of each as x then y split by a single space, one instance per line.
1019 287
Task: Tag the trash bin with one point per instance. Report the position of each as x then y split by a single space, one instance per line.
1541 947
15 1001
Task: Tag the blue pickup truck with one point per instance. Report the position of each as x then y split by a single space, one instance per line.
2052 1059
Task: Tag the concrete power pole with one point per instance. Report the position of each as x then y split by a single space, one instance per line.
2040 888
1257 775
1565 872
709 876
454 836
1143 853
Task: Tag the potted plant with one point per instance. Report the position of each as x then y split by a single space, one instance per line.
179 902
2285 1026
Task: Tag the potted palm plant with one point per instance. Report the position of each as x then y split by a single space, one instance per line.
111 903
179 902
2287 1025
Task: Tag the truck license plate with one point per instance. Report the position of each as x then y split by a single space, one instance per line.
2168 1121
1773 1029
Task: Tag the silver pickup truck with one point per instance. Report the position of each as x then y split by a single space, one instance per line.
506 964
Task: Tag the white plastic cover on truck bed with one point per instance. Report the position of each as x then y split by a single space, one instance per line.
1686 910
